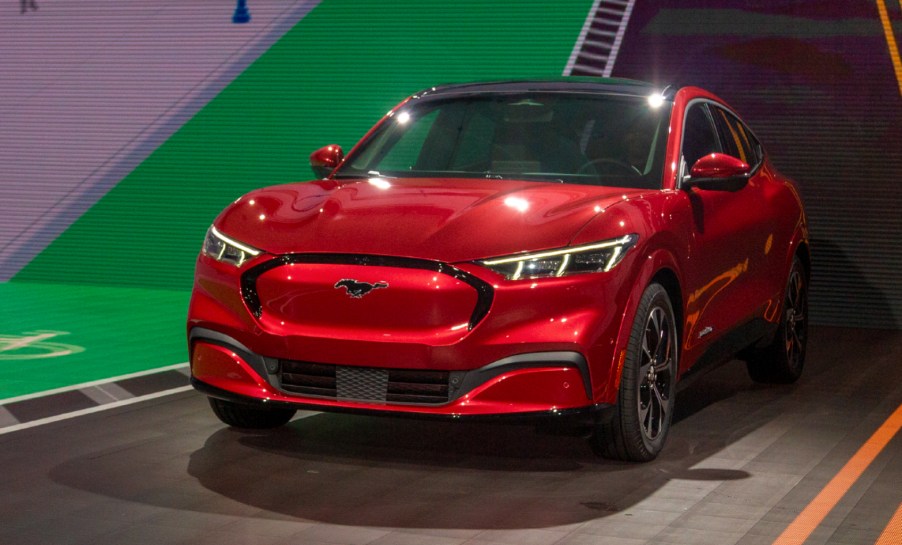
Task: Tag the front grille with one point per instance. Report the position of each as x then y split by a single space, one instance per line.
369 384
484 291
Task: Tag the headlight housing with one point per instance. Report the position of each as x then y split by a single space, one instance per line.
587 258
227 250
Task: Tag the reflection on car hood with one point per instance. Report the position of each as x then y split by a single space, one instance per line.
448 220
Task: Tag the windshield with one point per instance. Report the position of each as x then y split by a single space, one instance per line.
562 137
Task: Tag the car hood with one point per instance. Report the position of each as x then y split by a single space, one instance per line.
448 220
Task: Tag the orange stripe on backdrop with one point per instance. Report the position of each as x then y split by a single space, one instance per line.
810 517
892 534
891 40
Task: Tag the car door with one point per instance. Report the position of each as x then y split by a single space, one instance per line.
726 237
775 205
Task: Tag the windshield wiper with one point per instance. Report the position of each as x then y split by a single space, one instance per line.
368 174
347 176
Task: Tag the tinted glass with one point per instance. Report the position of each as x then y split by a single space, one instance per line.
735 137
699 137
561 137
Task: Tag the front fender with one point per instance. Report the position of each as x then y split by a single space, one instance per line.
648 266
651 216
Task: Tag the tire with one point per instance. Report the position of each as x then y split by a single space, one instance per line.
641 419
248 416
781 362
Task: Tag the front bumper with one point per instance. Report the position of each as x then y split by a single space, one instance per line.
541 382
492 346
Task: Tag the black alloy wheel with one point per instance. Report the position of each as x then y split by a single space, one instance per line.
645 406
782 361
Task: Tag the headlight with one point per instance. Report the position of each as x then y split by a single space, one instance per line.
227 250
595 257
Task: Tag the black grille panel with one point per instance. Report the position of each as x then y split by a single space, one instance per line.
351 383
365 383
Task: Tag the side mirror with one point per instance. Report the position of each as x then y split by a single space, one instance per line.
324 160
718 171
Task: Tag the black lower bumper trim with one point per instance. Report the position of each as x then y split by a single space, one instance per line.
457 383
587 415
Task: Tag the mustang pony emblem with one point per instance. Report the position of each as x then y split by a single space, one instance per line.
358 289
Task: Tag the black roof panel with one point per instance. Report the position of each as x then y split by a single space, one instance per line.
563 84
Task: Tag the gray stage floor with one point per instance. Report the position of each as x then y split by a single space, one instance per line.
742 462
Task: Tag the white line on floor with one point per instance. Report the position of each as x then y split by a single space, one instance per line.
66 416
93 383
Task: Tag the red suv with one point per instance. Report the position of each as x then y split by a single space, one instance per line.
532 249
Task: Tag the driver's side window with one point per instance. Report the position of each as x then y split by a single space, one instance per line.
699 138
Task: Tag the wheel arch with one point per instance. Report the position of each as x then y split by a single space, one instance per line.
671 284
804 254
656 266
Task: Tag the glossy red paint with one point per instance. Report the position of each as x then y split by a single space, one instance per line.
413 331
326 159
443 219
719 165
525 390
416 246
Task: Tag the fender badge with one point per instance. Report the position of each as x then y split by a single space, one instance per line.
357 289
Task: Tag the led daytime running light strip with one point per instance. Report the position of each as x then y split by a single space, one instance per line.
234 243
565 251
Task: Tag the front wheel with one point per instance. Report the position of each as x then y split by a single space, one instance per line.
641 420
250 416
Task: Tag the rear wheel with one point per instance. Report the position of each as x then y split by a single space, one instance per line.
781 362
250 416
641 420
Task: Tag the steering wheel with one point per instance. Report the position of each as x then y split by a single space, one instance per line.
609 165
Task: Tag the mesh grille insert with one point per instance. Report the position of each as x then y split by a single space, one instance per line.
365 383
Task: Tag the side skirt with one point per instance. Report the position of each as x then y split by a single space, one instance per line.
755 332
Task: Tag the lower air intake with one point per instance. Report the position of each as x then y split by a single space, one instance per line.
367 384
